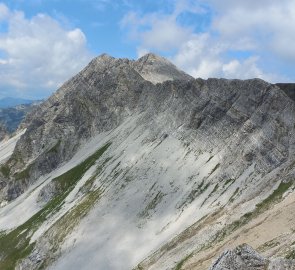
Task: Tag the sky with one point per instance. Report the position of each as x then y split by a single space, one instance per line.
43 43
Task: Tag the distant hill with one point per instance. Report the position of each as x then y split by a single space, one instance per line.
11 117
12 102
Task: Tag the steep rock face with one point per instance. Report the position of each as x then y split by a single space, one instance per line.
98 99
109 90
246 258
288 88
167 169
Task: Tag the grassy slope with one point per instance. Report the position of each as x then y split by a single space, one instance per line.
15 245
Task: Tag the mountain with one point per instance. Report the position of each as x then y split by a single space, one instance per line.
12 102
137 165
10 118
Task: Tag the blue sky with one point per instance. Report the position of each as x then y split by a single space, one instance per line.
45 42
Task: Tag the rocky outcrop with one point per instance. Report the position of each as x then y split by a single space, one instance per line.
110 90
246 258
98 99
190 160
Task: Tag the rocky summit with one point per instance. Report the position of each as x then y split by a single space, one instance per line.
133 164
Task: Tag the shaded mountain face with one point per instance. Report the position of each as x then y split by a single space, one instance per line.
288 88
158 162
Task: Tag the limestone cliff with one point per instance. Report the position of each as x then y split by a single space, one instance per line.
134 164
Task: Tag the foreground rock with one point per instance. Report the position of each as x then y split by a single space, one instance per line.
245 257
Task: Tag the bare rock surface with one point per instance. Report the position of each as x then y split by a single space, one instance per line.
138 156
245 257
110 90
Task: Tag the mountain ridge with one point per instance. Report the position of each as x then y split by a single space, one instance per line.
100 69
168 168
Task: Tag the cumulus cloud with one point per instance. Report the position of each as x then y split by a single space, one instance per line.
4 12
38 54
240 35
159 32
201 56
269 24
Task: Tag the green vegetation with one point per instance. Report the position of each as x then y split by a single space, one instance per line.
71 177
128 179
268 245
181 263
116 172
54 149
266 204
57 234
211 193
291 255
275 197
228 182
15 158
214 190
5 170
215 168
138 267
226 186
195 193
16 244
209 159
231 199
24 174
152 204
89 183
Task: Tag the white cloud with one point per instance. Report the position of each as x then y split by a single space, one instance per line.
39 53
142 51
165 34
159 32
197 58
187 5
201 56
243 69
258 28
269 24
4 12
